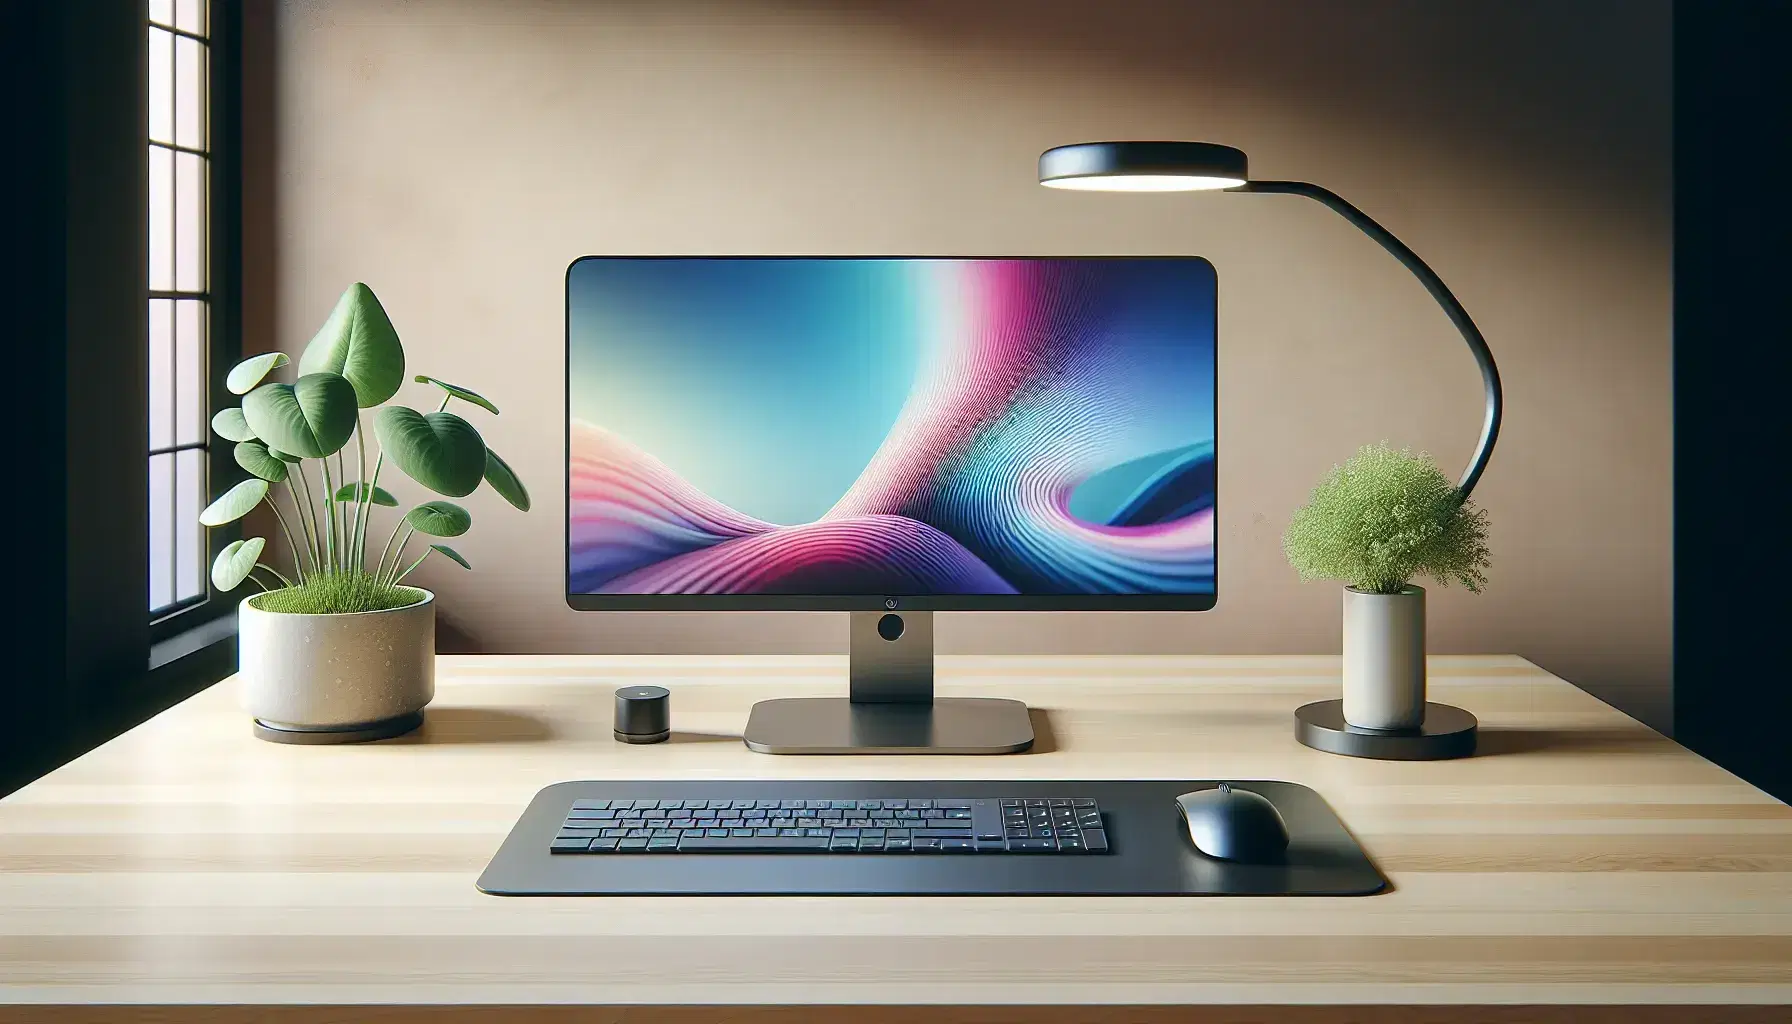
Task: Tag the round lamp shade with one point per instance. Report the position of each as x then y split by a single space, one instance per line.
1143 166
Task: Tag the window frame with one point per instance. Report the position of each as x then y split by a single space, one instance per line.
223 338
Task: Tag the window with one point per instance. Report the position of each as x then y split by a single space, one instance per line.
184 333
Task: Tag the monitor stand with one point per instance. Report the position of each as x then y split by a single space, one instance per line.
892 709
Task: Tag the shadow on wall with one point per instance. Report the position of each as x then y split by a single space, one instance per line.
1381 48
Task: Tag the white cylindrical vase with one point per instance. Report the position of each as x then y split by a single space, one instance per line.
358 675
1384 658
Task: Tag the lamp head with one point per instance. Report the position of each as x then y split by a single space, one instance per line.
1143 167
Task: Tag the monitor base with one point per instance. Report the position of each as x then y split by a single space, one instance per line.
837 725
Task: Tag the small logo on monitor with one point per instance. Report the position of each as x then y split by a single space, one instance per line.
890 602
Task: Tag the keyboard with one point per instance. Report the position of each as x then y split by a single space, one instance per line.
1021 825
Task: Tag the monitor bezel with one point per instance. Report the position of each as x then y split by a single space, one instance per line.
866 602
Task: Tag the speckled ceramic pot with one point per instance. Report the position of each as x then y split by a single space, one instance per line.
337 678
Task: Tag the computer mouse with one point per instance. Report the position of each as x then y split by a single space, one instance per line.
1234 824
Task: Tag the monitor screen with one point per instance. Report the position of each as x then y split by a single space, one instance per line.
838 432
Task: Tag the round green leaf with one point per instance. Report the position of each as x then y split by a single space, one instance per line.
439 519
451 553
352 492
283 457
311 418
235 503
360 343
503 480
253 456
234 563
461 393
248 373
231 426
441 451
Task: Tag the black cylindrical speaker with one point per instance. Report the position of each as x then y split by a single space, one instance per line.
643 714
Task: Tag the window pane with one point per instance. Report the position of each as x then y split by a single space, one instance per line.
189 92
189 15
161 373
189 377
161 85
161 531
161 11
189 489
189 222
161 219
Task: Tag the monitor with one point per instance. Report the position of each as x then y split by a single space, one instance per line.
890 436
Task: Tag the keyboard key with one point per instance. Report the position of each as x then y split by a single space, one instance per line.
603 845
716 833
1058 802
718 805
790 831
897 833
780 844
858 822
985 845
571 845
763 832
895 845
844 805
631 845
1031 846
1082 802
952 805
740 833
843 844
940 833
695 833
683 823
662 845
871 844
591 805
1010 803
1095 840
817 833
919 805
958 846
850 833
615 833
665 833
815 805
790 805
924 845
640 833
731 822
741 805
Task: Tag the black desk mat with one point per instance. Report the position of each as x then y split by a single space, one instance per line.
1150 853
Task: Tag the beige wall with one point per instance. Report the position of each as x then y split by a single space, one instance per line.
458 154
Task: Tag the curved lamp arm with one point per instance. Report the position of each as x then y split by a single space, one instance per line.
1490 374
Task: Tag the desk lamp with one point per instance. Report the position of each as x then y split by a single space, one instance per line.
1208 167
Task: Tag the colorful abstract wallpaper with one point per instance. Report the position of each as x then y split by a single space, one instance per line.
897 427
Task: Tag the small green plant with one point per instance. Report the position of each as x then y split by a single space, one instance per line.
355 362
1385 517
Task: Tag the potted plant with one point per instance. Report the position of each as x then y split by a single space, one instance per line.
342 649
1375 523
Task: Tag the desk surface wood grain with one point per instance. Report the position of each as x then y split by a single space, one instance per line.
1580 859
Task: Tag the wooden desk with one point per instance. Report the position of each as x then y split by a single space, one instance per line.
1582 859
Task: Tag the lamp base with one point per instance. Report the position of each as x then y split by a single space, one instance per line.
1447 732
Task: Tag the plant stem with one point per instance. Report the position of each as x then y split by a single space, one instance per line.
363 493
329 513
276 572
398 553
319 544
445 400
342 525
298 562
414 565
378 570
361 536
298 509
